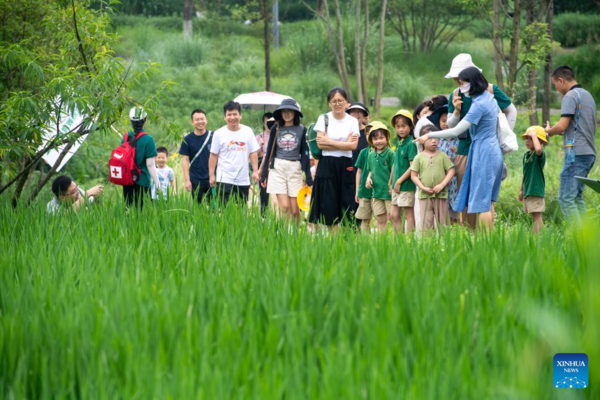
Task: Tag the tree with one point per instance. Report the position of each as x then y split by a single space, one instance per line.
547 96
188 14
336 39
426 25
379 87
67 66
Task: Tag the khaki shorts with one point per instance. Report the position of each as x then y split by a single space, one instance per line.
285 178
534 204
364 209
403 199
381 206
460 165
434 213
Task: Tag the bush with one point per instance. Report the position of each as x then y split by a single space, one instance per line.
574 29
585 61
184 53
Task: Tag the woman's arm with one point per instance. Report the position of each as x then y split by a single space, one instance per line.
447 133
511 115
325 143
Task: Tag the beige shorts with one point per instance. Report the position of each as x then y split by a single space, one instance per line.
285 178
534 204
365 211
381 206
403 199
434 213
460 165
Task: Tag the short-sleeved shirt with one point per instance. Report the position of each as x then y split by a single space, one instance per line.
363 165
234 149
432 171
263 142
165 177
144 149
339 130
289 142
501 98
534 183
406 151
190 146
586 129
380 165
54 206
483 116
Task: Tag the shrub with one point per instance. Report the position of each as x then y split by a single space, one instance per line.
183 53
574 29
585 61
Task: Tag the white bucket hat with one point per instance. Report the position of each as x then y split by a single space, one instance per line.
460 62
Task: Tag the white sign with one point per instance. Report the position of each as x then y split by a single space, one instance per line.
68 123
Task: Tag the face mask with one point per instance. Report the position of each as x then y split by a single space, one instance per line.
464 88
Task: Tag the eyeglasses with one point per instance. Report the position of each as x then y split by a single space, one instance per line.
337 102
74 192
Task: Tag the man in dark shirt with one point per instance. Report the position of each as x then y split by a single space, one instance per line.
195 151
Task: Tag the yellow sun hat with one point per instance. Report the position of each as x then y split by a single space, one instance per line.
303 198
404 113
374 126
539 132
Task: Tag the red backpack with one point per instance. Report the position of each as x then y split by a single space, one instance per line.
121 167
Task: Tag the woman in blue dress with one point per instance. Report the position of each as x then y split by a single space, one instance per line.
481 184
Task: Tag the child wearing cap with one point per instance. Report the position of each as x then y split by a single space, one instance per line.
380 163
431 171
363 196
534 184
403 188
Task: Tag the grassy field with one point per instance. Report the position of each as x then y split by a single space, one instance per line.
177 303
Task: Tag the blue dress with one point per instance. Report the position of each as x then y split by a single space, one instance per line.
483 175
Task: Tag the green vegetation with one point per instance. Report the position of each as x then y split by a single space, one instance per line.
174 303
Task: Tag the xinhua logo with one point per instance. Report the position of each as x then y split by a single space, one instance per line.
571 371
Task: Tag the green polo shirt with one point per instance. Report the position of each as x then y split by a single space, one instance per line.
465 144
432 171
361 162
144 149
380 165
534 183
406 151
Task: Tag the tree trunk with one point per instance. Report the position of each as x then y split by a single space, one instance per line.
531 70
514 49
547 99
20 185
357 53
497 38
363 55
50 173
379 89
342 51
265 16
188 13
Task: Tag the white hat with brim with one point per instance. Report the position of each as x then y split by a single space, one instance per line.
460 62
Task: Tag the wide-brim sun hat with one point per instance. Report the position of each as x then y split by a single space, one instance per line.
375 126
404 113
287 104
460 62
358 106
539 132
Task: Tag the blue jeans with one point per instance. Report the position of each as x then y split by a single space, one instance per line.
570 193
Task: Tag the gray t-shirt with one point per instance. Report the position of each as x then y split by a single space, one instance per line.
586 128
288 143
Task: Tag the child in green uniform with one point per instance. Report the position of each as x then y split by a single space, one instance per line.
533 185
363 195
431 171
380 163
403 188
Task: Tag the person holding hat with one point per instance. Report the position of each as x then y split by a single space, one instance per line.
458 108
534 184
380 163
287 156
480 187
403 188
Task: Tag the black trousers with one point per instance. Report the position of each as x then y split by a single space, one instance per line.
201 191
227 191
134 195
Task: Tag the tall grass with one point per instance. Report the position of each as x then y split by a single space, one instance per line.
177 302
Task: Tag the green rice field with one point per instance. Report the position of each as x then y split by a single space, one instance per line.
177 302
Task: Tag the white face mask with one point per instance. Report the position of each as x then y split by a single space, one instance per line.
464 88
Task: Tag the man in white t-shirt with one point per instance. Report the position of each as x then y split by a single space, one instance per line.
232 145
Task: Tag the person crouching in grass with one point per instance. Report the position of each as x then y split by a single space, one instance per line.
432 170
69 196
380 163
534 184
